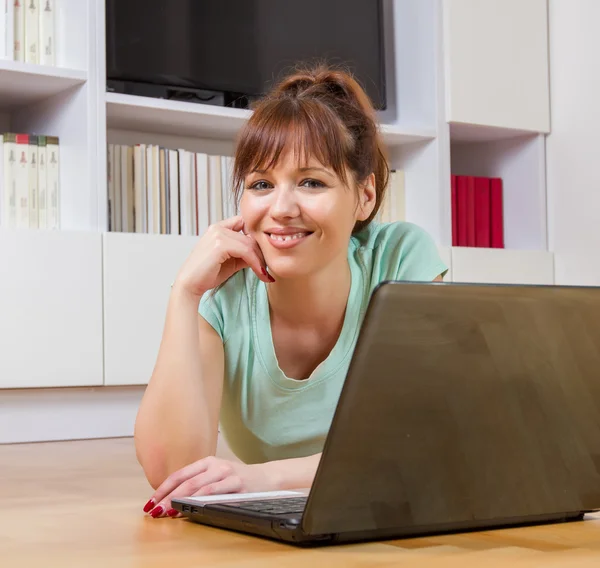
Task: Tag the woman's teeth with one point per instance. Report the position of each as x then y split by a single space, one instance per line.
288 237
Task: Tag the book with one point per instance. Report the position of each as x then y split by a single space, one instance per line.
19 30
32 27
47 32
496 213
33 183
9 204
482 212
53 181
477 215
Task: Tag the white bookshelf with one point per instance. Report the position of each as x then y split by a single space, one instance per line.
23 84
447 67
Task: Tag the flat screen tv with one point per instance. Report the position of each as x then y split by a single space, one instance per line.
231 51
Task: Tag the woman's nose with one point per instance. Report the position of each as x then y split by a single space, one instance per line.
285 203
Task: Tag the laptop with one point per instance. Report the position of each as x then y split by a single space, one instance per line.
465 407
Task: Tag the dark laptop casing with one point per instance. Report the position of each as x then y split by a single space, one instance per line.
465 407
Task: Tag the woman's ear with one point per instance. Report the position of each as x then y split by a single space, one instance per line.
367 197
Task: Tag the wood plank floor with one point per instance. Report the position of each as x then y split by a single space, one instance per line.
70 504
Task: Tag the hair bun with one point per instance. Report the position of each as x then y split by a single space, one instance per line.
324 81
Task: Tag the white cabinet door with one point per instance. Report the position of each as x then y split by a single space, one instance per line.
496 63
502 266
50 309
138 272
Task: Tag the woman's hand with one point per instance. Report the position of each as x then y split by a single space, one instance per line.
220 253
209 476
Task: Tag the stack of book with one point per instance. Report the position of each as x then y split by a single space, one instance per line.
29 182
393 206
477 212
27 31
153 189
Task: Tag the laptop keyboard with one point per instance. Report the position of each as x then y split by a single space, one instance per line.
272 506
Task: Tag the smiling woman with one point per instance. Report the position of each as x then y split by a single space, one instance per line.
264 314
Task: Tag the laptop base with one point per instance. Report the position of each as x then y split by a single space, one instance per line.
289 529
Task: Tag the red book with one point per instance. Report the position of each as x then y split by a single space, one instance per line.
496 213
471 238
482 212
461 208
454 206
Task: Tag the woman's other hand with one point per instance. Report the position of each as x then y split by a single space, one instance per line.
209 476
221 252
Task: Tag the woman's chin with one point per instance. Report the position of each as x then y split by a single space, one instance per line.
288 268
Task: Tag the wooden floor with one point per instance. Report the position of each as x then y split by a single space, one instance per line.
80 504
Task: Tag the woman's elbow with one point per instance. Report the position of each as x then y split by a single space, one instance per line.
153 461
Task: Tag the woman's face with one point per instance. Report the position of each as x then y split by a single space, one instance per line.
302 216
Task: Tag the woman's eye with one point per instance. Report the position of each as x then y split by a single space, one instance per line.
260 185
312 183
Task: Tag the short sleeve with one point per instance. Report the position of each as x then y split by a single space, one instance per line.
211 309
222 307
405 251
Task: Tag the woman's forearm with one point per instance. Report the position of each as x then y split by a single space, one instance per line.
178 417
293 473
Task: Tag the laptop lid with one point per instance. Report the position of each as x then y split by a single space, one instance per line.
464 404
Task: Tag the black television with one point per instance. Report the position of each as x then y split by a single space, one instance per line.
230 51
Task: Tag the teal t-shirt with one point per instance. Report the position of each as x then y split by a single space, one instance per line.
266 415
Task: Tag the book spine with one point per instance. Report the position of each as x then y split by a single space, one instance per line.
42 184
214 186
33 183
32 25
22 181
3 29
110 189
47 47
155 190
471 239
9 210
461 202
138 187
454 210
53 177
117 187
174 192
9 29
163 191
482 212
202 192
496 213
19 30
398 187
149 190
124 190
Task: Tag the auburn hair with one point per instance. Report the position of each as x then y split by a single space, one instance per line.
316 111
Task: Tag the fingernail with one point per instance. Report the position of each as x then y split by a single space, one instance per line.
157 511
271 279
172 512
148 506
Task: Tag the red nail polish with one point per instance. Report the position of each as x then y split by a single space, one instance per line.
157 511
172 512
148 506
271 279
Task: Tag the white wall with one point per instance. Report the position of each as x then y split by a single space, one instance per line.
573 147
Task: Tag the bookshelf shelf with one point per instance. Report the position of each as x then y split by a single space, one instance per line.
22 84
464 132
145 114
